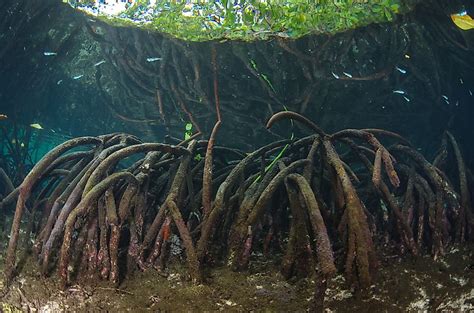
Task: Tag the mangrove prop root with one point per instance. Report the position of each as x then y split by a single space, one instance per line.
323 245
179 179
405 231
207 175
80 210
443 192
360 253
112 159
238 234
209 225
7 183
466 221
72 199
297 117
296 252
385 157
25 192
126 216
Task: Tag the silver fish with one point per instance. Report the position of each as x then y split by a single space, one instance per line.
99 63
335 75
400 70
47 53
406 99
347 74
445 97
400 92
153 59
77 77
59 82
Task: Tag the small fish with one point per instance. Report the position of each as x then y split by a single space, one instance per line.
400 70
470 92
335 75
347 74
400 92
406 99
153 59
461 81
77 77
48 54
59 82
36 125
99 63
3 117
445 97
407 56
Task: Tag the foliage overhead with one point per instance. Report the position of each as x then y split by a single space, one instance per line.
247 19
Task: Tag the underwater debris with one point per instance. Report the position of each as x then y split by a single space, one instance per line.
3 117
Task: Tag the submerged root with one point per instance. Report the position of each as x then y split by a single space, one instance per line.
298 198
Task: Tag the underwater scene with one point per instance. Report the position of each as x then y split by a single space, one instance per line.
236 156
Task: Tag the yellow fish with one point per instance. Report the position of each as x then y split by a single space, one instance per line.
3 117
463 21
36 125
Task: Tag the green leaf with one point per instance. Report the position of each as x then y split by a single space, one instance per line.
253 19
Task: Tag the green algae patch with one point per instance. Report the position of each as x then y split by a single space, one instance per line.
247 20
